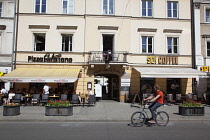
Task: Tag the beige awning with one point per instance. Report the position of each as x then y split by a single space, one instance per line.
156 72
41 75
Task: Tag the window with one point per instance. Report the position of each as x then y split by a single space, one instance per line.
172 9
0 9
147 44
207 15
172 45
40 6
108 7
208 48
67 43
39 42
68 6
147 7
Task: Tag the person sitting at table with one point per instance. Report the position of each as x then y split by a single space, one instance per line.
89 92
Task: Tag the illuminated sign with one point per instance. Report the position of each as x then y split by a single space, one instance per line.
164 60
50 59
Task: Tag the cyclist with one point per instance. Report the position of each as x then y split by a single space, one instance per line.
157 101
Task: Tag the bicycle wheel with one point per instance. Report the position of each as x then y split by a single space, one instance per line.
162 118
138 119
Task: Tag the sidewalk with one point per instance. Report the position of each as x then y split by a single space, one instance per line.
105 110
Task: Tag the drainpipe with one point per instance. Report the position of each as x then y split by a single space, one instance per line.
13 38
194 82
16 35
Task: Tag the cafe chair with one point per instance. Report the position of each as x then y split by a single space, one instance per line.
75 99
35 99
91 100
63 97
44 99
17 98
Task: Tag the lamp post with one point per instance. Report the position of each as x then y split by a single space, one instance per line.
194 82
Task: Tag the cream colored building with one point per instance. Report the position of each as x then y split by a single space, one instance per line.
130 44
7 18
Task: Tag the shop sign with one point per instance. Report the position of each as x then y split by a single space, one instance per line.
15 80
61 80
1 73
205 68
55 58
164 60
37 80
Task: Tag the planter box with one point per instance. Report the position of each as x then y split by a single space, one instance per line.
11 110
58 110
191 111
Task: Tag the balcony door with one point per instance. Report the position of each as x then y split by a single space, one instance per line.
108 42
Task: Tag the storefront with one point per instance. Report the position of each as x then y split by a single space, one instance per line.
32 80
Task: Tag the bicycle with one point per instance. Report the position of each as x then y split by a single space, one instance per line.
139 118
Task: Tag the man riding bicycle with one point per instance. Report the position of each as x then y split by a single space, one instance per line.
157 101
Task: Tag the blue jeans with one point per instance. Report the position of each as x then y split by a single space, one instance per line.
153 107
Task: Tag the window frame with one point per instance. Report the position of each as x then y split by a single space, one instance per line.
40 8
172 46
1 8
147 9
207 48
205 13
108 7
35 44
72 43
172 13
68 7
147 45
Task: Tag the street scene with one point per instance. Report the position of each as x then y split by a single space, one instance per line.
105 69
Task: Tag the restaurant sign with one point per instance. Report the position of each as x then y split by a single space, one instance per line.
205 68
164 60
55 58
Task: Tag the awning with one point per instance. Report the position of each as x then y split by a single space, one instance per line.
153 72
39 75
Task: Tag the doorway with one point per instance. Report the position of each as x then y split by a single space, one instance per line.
107 86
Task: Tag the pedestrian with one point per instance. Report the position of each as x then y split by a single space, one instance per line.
46 89
157 101
5 95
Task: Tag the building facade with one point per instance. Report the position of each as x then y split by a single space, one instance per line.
116 48
202 42
7 18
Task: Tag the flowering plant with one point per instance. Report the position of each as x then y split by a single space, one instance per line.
191 103
58 103
12 104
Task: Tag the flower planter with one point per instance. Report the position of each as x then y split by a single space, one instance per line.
191 111
11 110
58 110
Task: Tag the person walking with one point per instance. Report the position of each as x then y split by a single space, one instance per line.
157 102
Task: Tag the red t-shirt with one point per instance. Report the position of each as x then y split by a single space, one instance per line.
161 98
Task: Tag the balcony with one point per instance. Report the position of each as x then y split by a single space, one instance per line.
107 57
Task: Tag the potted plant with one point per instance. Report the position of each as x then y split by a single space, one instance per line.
11 109
191 108
58 108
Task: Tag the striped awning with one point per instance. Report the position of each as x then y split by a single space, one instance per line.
39 75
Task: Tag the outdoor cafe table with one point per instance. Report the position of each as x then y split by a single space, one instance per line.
27 97
54 97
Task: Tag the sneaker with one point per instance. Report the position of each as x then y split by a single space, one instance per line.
151 121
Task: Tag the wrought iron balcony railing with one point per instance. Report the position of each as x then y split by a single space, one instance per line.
107 57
